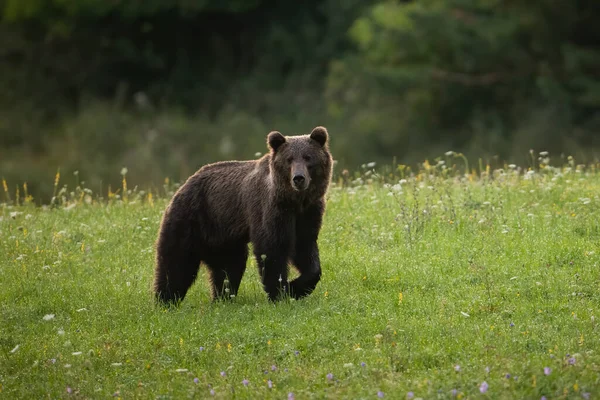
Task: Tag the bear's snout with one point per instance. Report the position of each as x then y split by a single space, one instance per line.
299 182
300 177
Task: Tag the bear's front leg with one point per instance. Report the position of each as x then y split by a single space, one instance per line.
306 252
306 259
272 248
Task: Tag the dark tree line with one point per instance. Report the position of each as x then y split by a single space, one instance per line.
162 86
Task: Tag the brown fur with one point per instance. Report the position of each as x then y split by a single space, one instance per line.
276 202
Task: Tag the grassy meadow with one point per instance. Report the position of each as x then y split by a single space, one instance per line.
436 284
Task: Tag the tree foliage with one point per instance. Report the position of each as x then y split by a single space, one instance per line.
490 71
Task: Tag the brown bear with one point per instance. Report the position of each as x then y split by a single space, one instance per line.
276 203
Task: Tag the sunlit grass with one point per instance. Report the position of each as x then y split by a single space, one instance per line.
437 283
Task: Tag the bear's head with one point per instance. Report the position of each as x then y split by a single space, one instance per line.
302 163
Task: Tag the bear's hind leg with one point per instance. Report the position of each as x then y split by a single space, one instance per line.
226 268
178 259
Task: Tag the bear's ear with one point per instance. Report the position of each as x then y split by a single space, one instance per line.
320 135
275 139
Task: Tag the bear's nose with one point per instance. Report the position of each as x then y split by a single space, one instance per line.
298 179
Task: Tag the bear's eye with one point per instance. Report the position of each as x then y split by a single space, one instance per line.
306 158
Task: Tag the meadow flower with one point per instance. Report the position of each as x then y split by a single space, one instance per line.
212 392
586 395
296 352
511 325
380 394
572 361
201 348
543 398
330 376
454 392
410 395
547 370
507 376
273 368
223 374
48 317
245 382
69 390
457 368
270 384
483 387
290 396
363 364
196 380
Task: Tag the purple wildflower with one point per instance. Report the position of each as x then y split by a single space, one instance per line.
457 368
212 392
196 380
270 384
572 361
245 382
410 395
454 392
507 376
290 396
201 348
511 325
380 394
547 370
296 352
53 360
69 390
543 398
586 395
363 364
329 376
223 374
483 387
273 368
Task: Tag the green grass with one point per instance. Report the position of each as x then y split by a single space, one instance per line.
497 276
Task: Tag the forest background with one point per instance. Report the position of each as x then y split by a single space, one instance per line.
161 87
